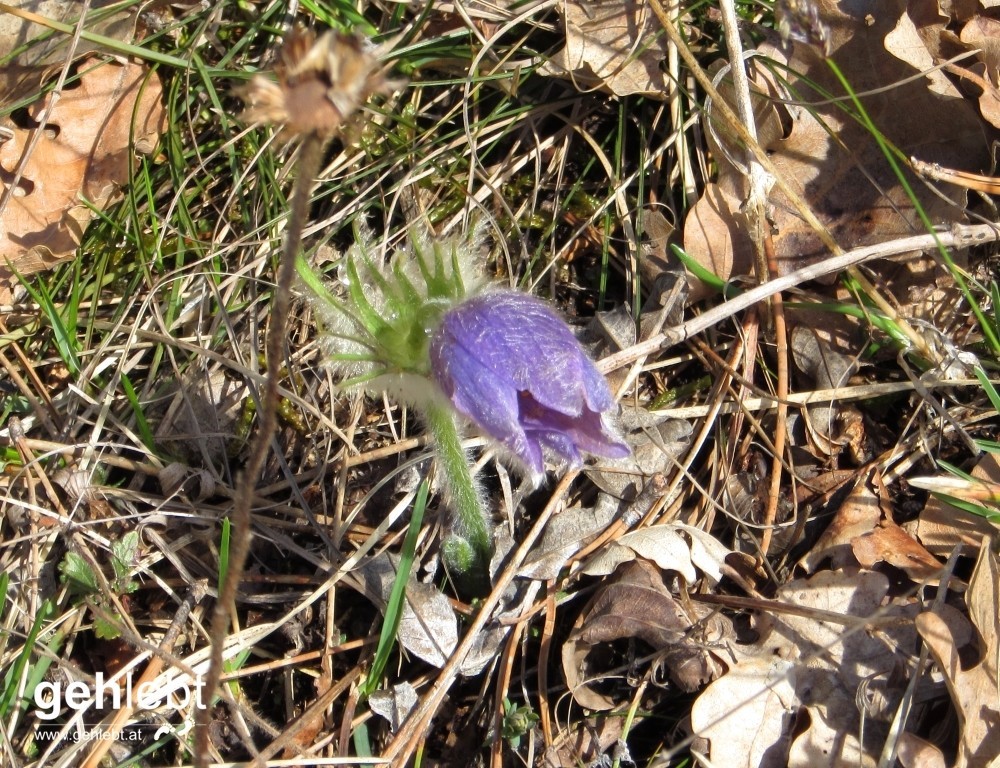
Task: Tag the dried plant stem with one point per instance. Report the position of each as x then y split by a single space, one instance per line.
760 183
407 738
310 156
795 199
463 492
960 236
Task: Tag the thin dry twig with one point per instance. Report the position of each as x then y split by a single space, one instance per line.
959 237
310 157
403 746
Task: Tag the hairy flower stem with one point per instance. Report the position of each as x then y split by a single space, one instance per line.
310 157
463 493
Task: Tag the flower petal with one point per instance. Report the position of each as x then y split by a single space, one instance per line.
488 400
510 364
521 338
586 432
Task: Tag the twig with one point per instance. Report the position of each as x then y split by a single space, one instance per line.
760 183
412 730
958 237
310 156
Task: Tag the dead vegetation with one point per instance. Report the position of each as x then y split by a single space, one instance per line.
787 278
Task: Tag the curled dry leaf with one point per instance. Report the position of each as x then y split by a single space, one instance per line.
914 752
394 704
636 604
974 688
673 547
862 532
888 543
84 155
924 37
613 46
858 514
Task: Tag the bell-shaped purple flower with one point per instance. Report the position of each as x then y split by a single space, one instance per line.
509 363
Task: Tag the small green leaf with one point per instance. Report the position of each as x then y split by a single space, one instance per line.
124 557
105 629
77 574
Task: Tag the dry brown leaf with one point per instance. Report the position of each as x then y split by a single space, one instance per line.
566 534
914 752
917 39
613 46
924 38
974 689
743 714
864 533
428 627
858 514
634 603
673 547
584 742
817 669
84 154
888 543
394 704
941 527
846 180
983 34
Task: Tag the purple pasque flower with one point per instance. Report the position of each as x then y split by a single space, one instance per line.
509 363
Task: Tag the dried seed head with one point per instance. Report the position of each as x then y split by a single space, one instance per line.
320 83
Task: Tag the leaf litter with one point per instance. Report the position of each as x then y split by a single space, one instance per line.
813 667
75 164
829 157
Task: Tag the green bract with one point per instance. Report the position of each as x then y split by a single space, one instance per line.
377 332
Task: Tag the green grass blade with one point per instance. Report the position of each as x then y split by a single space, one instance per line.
64 340
988 388
394 608
13 677
224 551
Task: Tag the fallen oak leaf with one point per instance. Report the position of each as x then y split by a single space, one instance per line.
613 46
743 714
84 157
974 689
